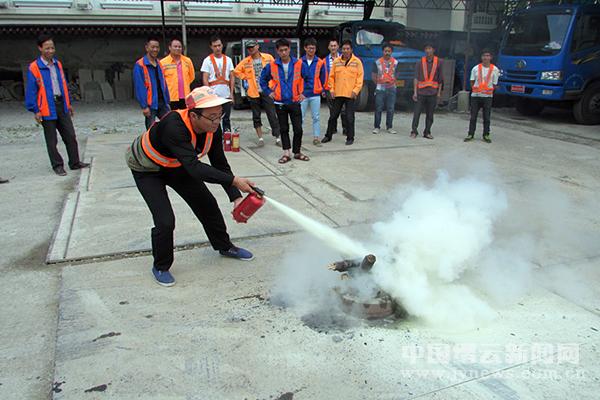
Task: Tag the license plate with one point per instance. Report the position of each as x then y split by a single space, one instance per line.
400 83
517 89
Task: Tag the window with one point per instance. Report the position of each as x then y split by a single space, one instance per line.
587 33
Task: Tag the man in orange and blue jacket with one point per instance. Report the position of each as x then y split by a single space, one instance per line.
47 96
283 80
149 84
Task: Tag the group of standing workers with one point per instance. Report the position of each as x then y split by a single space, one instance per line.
191 122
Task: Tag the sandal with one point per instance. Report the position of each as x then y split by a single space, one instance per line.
301 157
284 159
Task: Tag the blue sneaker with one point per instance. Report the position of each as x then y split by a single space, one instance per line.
163 278
237 252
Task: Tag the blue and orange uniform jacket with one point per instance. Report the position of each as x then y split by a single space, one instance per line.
144 84
287 91
314 83
39 97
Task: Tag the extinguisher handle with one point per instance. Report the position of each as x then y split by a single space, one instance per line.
259 191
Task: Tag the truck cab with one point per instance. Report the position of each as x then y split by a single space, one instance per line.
367 37
550 55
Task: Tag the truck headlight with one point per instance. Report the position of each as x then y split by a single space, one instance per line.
551 75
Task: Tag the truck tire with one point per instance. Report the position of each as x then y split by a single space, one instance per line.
364 97
587 109
529 107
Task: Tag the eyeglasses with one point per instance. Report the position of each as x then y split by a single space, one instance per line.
219 118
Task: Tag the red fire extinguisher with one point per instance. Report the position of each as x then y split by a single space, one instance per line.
227 141
235 141
249 206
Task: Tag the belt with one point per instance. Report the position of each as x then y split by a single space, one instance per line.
58 98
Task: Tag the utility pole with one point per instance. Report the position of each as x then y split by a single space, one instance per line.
162 13
183 29
469 4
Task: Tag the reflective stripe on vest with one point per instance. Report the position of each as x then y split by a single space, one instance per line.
219 75
483 86
297 82
428 78
387 74
42 99
169 162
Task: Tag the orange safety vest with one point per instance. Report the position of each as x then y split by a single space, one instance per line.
42 99
297 83
220 75
428 78
169 162
387 74
317 86
484 85
147 81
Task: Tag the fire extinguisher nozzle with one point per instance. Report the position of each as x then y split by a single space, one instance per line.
260 192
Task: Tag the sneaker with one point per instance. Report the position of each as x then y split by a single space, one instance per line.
376 131
326 139
317 142
486 138
427 136
238 253
468 138
349 142
261 142
163 278
80 165
392 131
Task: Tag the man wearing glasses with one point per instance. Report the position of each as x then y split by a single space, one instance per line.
171 154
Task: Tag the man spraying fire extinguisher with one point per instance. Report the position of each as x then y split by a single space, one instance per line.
171 153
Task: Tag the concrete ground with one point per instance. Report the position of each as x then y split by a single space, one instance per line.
82 318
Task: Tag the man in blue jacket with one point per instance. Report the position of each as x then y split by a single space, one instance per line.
149 84
313 86
286 75
47 96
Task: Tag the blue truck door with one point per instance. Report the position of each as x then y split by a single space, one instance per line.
583 79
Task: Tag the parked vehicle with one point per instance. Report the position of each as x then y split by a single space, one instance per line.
550 55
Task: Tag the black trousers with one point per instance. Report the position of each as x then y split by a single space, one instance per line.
158 113
427 104
476 104
343 113
178 105
267 103
295 115
338 104
153 187
226 117
64 125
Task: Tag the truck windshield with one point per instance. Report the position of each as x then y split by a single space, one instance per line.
375 36
536 34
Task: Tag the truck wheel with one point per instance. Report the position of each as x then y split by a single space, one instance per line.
529 107
362 103
587 109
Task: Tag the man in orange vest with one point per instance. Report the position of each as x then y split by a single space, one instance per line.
149 84
171 153
179 74
47 96
384 74
484 78
283 80
345 83
217 72
427 90
249 69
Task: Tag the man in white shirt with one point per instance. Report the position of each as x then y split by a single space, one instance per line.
217 72
484 78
